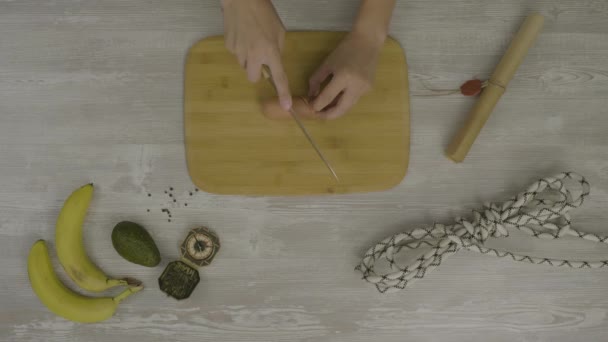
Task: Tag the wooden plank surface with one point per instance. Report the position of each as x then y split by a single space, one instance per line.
232 148
92 91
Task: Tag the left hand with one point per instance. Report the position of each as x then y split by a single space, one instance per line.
352 67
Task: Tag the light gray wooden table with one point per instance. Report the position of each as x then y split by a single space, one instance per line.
92 91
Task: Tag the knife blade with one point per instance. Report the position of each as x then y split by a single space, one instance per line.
266 73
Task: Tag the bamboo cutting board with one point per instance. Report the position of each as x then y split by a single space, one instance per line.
231 148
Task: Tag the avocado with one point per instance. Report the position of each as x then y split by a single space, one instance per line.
134 243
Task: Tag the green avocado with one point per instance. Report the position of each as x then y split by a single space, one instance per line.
134 243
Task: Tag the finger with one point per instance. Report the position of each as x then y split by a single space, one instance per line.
328 94
280 81
230 46
346 101
314 83
254 70
242 58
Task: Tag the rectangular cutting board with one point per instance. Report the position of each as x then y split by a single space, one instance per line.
231 148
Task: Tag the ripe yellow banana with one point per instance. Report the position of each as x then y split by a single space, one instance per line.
70 247
60 299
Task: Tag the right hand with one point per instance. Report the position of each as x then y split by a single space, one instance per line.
352 66
255 34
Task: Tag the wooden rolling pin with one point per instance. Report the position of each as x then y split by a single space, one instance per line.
521 43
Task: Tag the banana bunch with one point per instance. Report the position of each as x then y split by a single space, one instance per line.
75 261
61 300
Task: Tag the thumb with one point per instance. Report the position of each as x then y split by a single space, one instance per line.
314 83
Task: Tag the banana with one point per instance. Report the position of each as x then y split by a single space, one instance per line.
70 248
61 300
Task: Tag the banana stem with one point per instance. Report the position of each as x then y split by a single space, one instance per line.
126 293
123 282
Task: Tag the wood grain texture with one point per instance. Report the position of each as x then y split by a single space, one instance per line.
232 148
92 91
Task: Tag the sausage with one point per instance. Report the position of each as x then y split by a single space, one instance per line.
273 110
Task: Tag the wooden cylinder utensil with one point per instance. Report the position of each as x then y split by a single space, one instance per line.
496 85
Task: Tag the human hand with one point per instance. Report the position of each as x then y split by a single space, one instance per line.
255 34
352 66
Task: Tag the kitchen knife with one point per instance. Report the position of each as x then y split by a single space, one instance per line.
266 73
